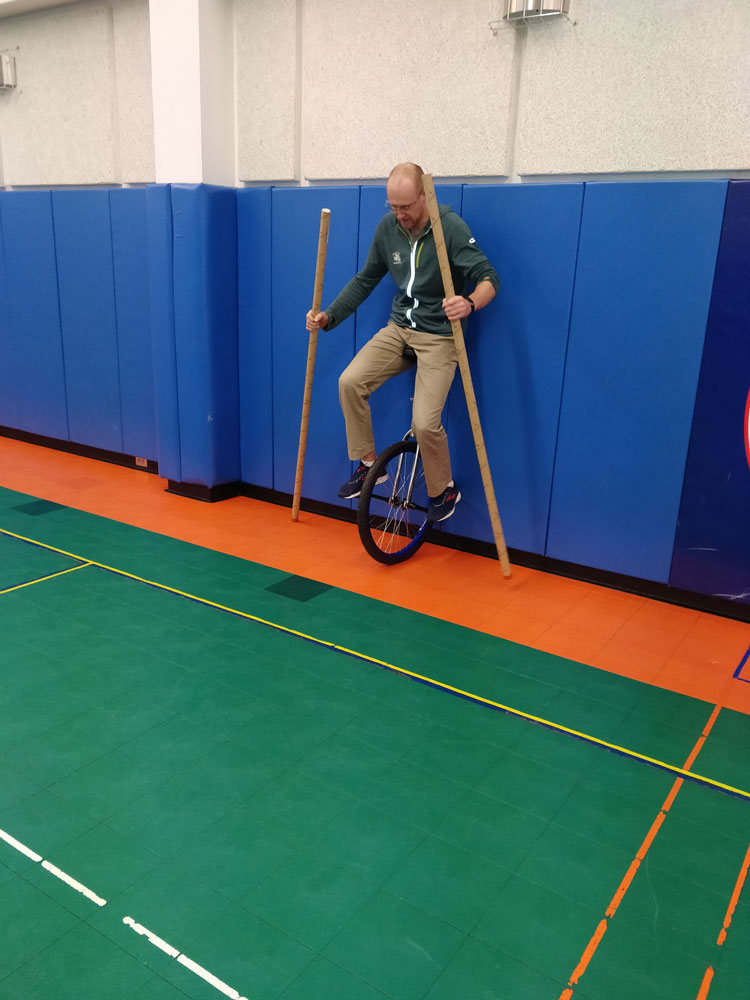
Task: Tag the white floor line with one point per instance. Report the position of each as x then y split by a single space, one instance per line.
204 974
19 846
53 869
73 883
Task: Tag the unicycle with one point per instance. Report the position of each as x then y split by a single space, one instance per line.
392 516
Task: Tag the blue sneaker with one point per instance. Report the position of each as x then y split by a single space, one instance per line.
353 487
442 507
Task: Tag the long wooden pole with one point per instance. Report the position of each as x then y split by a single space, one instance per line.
320 267
463 364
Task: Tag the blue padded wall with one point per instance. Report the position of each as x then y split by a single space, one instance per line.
161 309
296 223
516 349
255 335
391 404
83 239
131 279
712 547
643 283
33 318
204 222
8 389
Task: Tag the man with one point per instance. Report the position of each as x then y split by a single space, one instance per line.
420 325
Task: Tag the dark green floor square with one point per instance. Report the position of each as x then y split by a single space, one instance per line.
296 805
395 946
448 882
231 774
299 588
603 815
454 755
309 899
698 854
108 783
37 507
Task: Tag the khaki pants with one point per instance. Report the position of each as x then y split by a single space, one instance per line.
380 359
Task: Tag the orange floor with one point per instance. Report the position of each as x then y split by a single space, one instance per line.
686 651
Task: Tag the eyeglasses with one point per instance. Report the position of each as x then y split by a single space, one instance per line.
403 208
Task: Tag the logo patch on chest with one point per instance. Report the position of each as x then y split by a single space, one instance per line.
397 257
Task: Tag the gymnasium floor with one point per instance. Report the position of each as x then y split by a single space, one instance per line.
237 758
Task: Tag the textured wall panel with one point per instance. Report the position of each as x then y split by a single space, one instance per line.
266 46
637 87
386 82
135 113
643 283
57 127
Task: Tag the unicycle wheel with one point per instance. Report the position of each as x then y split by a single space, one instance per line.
392 515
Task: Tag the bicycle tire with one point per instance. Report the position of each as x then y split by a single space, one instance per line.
391 531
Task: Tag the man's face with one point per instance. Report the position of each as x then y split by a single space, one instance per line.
408 204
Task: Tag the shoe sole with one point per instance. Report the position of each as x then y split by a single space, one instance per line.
352 496
450 513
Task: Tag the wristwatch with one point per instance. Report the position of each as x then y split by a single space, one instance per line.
470 301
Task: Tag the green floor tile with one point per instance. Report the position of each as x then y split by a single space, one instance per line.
44 823
14 786
21 563
603 815
630 777
725 986
395 946
725 762
366 841
676 911
173 745
167 818
582 870
170 903
389 728
448 882
630 963
538 927
230 774
698 854
701 804
673 708
655 738
346 764
577 711
414 794
527 784
243 951
492 829
235 855
322 980
454 755
82 963
297 806
308 899
108 784
558 750
31 922
478 971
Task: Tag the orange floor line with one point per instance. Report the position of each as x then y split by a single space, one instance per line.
706 984
635 864
676 648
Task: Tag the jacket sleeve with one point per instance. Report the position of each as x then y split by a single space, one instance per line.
464 253
354 293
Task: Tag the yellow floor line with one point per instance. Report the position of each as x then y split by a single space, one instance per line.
31 583
548 724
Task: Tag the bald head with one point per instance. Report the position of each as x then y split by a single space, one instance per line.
406 197
409 171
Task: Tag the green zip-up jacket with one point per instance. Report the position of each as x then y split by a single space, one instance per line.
413 265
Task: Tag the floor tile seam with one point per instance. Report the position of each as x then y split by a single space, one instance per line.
387 666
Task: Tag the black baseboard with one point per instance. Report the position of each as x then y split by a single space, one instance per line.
84 450
206 494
